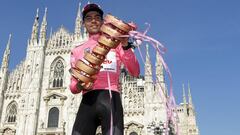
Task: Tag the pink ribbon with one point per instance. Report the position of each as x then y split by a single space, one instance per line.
139 38
110 95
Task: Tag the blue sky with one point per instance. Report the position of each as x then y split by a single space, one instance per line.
202 38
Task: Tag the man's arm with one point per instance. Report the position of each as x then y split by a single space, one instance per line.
129 60
73 82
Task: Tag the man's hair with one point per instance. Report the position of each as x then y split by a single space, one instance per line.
91 7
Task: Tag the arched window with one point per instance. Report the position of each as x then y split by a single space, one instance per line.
9 131
11 112
58 74
133 133
53 117
14 85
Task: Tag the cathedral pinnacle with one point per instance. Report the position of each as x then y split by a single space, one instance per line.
148 66
159 68
5 60
189 95
9 41
35 28
184 95
78 23
79 10
37 17
147 49
45 15
43 27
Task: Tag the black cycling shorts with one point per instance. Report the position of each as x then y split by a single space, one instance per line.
95 109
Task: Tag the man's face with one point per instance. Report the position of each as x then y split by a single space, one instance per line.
93 22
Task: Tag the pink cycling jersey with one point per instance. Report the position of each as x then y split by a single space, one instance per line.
110 66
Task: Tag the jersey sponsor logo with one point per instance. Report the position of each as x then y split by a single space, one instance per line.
110 63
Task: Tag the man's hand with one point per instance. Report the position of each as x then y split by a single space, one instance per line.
79 86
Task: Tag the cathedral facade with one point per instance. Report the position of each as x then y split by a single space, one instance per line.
35 98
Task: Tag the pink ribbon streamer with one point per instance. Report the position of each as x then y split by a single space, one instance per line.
110 95
140 37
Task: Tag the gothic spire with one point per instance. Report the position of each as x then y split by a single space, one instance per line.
8 44
190 103
148 66
35 28
184 95
189 95
43 27
159 69
78 23
5 60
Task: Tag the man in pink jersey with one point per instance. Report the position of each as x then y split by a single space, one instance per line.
96 108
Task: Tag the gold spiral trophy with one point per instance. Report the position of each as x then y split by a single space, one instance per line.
88 67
